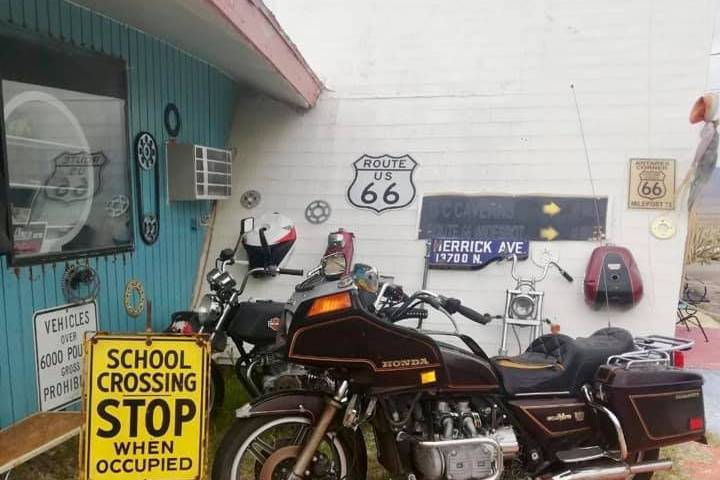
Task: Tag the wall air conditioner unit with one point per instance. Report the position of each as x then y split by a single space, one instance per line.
196 172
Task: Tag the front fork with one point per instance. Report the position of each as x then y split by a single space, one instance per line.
308 451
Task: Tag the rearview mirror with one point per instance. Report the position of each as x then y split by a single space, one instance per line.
247 224
333 265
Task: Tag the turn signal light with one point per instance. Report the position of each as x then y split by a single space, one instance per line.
428 377
330 303
696 423
678 359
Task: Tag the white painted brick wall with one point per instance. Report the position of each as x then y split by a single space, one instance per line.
477 91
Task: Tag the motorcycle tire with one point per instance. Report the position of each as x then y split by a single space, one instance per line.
352 444
217 388
647 455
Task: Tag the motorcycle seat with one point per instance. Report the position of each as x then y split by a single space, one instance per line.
558 363
251 322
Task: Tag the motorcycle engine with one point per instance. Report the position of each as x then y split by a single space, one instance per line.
450 453
278 375
282 376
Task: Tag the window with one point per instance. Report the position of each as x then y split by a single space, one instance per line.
67 185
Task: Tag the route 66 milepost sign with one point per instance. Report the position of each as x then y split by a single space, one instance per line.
382 183
652 183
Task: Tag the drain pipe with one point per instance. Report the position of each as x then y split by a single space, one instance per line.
202 262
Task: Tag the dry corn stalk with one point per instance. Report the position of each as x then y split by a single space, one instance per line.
703 242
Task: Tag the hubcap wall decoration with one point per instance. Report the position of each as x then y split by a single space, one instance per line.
146 150
250 199
149 230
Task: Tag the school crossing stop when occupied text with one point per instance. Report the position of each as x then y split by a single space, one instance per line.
146 408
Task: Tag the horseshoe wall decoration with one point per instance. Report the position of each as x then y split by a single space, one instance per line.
146 155
134 298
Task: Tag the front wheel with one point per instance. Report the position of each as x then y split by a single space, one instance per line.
265 448
217 388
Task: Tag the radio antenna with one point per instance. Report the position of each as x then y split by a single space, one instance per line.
600 228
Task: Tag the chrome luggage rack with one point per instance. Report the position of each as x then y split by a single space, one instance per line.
651 351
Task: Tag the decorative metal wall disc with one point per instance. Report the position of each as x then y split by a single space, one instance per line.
146 150
117 206
317 211
250 199
134 298
149 228
663 228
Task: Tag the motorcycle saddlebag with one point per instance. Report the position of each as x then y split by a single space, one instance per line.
612 277
655 406
256 322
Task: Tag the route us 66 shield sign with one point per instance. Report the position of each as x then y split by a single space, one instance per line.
382 183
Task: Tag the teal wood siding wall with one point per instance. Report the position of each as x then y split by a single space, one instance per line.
158 73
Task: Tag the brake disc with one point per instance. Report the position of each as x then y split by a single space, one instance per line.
280 463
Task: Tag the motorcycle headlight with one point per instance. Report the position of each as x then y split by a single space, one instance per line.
522 306
366 277
209 309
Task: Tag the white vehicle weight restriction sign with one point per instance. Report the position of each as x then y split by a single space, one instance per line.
59 333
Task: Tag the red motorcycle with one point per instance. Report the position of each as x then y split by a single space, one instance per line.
566 409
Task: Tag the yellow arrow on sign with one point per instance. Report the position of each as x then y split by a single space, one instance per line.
551 209
549 233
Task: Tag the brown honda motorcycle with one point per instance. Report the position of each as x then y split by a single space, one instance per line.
566 409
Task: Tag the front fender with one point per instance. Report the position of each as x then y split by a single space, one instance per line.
286 402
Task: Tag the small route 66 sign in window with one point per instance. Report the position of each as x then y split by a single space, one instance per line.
382 183
652 183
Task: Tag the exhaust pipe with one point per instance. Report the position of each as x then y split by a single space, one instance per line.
614 472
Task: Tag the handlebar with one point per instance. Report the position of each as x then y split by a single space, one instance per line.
446 305
272 270
453 305
514 259
417 313
474 315
563 272
298 272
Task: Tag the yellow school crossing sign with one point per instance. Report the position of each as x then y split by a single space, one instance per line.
145 403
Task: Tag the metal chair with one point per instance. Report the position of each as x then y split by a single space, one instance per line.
687 309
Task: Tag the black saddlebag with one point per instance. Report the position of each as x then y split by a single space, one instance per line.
655 406
256 322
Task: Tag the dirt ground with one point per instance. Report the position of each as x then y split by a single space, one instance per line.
693 461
